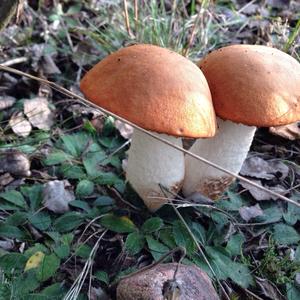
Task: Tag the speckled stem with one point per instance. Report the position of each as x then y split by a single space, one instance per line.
228 149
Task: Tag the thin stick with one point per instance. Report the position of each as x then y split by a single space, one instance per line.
127 18
86 102
136 17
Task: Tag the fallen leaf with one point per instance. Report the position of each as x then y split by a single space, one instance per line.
34 260
56 197
19 125
38 113
15 163
290 131
261 195
6 102
262 169
124 129
251 212
7 244
49 66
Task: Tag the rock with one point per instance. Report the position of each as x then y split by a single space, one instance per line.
191 283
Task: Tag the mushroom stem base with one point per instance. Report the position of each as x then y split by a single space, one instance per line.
228 149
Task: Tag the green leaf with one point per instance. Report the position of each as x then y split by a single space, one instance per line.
62 251
40 220
199 232
183 238
83 251
14 197
84 188
224 266
48 267
57 157
157 249
297 254
234 245
92 162
104 201
102 276
271 214
8 231
80 204
75 144
17 219
35 195
108 178
152 225
292 215
293 293
285 235
72 172
134 243
233 203
118 224
166 236
12 261
68 221
54 291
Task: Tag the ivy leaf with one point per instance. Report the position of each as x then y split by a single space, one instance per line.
152 225
134 243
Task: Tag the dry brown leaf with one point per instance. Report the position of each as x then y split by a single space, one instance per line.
56 197
19 125
251 212
290 131
14 163
38 113
124 129
6 102
260 195
259 168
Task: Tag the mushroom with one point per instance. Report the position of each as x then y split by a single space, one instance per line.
161 281
250 86
161 91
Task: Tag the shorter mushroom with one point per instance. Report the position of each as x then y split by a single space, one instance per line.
161 91
250 86
190 283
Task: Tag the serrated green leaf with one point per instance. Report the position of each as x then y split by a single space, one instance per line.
152 225
108 178
17 219
48 267
35 195
134 243
199 232
54 291
157 248
68 221
293 293
165 235
8 231
272 214
75 144
285 235
40 220
57 157
62 251
12 261
183 238
84 188
234 245
14 197
72 171
118 224
292 215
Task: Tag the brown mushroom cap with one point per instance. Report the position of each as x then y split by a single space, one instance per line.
154 88
253 85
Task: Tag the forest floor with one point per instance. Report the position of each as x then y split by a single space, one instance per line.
69 224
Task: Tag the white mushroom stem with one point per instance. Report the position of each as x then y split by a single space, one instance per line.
227 149
151 163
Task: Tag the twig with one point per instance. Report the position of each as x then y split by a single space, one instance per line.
14 61
127 18
86 102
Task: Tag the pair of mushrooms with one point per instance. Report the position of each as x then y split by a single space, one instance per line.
161 91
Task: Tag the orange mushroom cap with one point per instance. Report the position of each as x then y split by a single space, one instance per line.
154 88
253 85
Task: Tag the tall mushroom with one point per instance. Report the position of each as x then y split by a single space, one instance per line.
160 91
250 86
